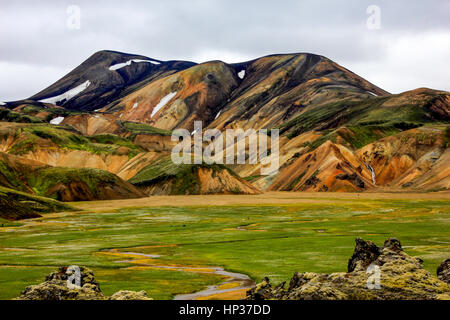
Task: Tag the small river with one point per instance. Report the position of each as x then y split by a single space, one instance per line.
233 281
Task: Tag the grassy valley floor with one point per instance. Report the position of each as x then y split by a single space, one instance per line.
169 245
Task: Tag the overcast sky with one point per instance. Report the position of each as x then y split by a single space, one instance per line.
411 48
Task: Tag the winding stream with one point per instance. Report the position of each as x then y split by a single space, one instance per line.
242 281
234 283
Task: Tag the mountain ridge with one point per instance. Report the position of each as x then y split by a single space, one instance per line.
338 131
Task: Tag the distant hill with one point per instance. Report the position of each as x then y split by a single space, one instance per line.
166 178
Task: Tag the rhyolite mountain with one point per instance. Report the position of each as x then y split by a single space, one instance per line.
109 73
338 132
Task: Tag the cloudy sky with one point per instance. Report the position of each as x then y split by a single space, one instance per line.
408 48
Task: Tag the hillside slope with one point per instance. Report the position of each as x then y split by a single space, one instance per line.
16 205
63 184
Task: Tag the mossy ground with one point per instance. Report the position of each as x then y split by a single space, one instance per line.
140 128
273 241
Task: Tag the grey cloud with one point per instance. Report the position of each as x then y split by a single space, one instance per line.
34 34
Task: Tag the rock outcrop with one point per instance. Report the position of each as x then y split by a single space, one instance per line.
130 295
57 287
365 253
443 271
374 273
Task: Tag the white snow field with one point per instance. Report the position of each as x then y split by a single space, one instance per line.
68 94
163 102
57 120
128 63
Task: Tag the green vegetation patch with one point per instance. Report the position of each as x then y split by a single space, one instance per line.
15 205
369 112
140 128
43 180
10 178
32 110
13 116
182 176
65 137
252 178
273 241
115 140
446 142
165 284
357 136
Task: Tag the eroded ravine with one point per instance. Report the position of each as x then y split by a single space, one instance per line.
233 288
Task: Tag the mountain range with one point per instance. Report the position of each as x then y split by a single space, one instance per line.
103 131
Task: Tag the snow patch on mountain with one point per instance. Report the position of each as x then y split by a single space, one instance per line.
163 102
128 63
57 120
218 114
2 104
68 94
241 74
135 105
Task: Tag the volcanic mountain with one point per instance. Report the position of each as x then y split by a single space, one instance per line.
103 77
338 132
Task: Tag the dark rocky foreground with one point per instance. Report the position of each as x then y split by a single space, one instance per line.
401 277
443 271
55 288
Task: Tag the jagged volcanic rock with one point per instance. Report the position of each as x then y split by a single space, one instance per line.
55 287
365 253
401 277
130 295
443 271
